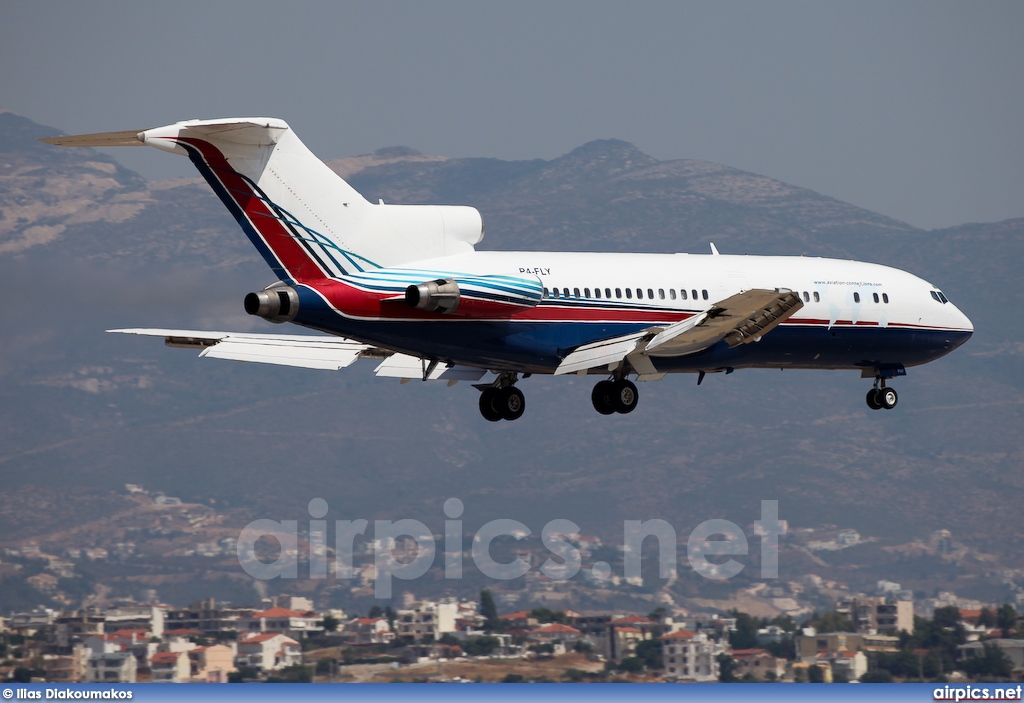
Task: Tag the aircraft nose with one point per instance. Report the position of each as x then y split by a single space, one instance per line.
961 327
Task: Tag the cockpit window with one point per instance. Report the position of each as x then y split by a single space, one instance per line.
939 297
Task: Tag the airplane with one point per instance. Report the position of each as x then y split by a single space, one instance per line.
404 285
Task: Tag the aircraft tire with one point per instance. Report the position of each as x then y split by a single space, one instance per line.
888 398
603 397
625 396
488 407
872 399
511 402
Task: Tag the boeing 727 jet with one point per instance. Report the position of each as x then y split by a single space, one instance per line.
403 284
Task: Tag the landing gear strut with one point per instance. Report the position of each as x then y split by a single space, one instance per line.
502 401
882 397
618 396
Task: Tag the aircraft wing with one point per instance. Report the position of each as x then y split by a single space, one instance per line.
330 353
310 352
739 319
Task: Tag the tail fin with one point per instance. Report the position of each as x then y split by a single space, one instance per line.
305 220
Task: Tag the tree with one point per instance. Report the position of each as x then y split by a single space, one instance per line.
1006 619
296 673
947 616
514 678
877 676
726 668
574 675
489 611
631 665
649 651
375 612
330 623
745 634
831 621
815 674
480 646
987 618
993 663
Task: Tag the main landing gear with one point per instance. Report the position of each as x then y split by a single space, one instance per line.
502 401
882 397
617 396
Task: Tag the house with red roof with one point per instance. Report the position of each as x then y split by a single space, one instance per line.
758 663
690 656
169 667
294 623
521 620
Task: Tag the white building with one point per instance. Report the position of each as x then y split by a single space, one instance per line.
426 620
136 617
111 667
268 652
690 657
368 631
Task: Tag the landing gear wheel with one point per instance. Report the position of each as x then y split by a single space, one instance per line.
603 397
887 398
625 396
873 401
488 407
511 402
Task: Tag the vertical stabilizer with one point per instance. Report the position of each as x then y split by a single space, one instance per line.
305 220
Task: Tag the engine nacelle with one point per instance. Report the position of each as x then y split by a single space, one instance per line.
441 295
277 303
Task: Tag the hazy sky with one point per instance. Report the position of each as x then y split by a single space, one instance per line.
912 109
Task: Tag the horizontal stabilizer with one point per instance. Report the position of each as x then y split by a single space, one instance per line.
305 351
100 139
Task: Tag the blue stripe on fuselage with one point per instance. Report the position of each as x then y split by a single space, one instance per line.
540 346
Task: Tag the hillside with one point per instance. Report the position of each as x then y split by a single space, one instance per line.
87 246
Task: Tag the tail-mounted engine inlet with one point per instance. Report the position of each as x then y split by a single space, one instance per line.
441 295
276 303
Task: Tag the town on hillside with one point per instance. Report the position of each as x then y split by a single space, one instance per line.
285 638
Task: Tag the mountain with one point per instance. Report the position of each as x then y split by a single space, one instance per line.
86 246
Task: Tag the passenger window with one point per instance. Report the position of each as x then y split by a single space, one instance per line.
576 292
597 292
629 293
661 294
807 298
694 291
672 293
608 292
639 294
618 293
875 296
544 292
885 298
856 297
817 298
586 292
682 294
565 292
554 292
705 294
650 294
